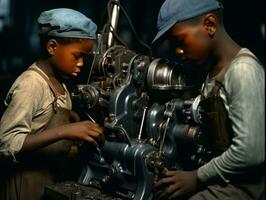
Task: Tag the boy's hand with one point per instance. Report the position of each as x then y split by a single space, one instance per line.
85 130
176 184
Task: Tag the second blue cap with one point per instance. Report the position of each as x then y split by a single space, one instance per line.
173 11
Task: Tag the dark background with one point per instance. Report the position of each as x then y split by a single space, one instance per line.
19 42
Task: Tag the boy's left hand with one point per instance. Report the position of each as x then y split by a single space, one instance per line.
175 184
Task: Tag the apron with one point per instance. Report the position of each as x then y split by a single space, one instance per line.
27 179
215 121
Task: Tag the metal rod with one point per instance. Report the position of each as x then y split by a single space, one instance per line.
164 134
88 115
142 122
114 21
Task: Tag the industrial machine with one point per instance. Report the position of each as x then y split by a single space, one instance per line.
151 121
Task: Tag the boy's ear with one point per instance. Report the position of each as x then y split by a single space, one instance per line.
51 46
210 23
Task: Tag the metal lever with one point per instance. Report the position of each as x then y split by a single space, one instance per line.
168 112
142 122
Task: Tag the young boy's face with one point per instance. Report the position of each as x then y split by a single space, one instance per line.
191 42
68 58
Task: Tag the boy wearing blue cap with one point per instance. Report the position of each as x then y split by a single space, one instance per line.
35 129
236 83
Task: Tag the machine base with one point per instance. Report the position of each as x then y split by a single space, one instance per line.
74 191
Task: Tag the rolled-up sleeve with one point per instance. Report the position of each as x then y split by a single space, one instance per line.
22 101
245 85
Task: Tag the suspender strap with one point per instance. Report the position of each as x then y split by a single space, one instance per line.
50 85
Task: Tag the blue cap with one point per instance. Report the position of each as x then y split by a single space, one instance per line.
173 11
65 22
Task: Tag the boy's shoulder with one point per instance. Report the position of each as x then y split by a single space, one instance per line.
246 62
245 69
30 80
245 55
33 73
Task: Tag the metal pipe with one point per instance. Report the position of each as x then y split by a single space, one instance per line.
114 22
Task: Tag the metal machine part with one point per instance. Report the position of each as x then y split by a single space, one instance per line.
163 76
119 174
149 123
113 24
143 135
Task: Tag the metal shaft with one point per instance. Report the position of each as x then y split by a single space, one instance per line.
114 21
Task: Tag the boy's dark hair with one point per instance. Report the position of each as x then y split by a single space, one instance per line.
44 38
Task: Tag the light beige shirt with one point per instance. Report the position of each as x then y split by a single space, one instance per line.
29 109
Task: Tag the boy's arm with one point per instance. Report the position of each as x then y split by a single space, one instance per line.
22 102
